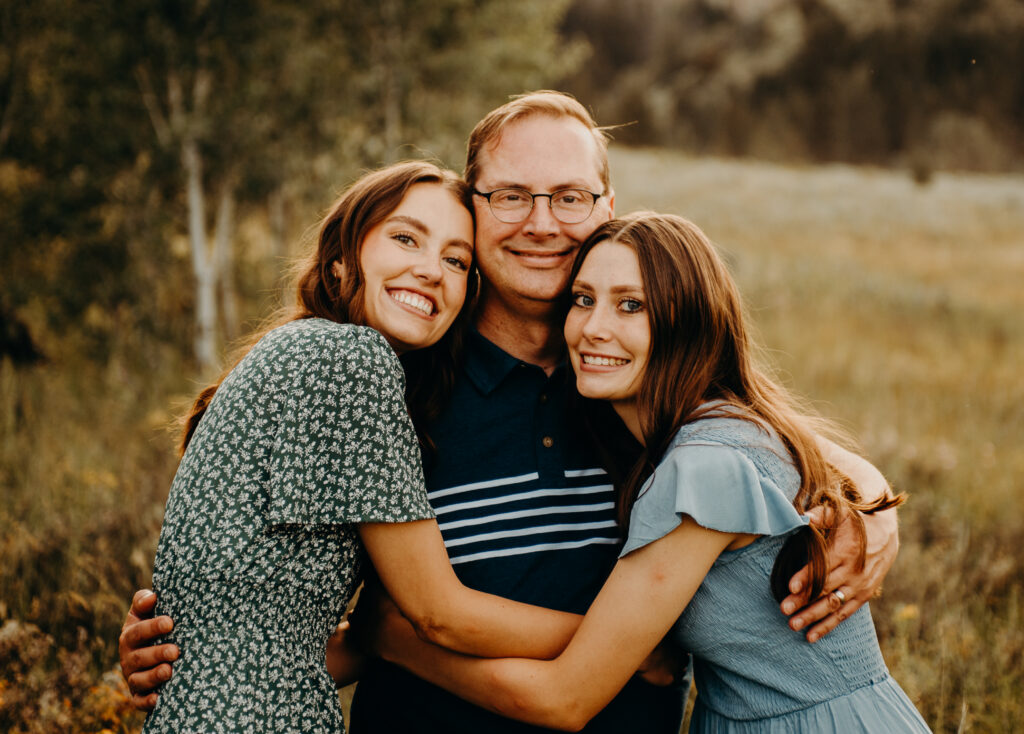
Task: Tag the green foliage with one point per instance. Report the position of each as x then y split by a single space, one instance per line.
286 103
923 83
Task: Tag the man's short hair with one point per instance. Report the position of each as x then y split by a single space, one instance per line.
544 102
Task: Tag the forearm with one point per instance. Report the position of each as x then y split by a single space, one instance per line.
514 688
869 481
489 626
413 566
882 527
633 612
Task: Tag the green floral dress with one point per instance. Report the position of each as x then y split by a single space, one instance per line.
259 553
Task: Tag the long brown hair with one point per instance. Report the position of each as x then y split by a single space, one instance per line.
322 294
701 351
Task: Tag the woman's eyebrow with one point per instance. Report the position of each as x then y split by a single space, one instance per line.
461 244
412 222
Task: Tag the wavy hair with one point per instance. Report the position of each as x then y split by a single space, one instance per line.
430 372
701 351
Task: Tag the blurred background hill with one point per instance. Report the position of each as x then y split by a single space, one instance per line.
861 162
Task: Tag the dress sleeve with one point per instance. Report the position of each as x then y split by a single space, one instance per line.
719 487
345 450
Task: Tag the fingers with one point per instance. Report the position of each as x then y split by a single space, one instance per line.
142 633
145 659
144 665
826 613
799 587
143 603
145 682
144 703
829 623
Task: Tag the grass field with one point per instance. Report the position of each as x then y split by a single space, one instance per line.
895 307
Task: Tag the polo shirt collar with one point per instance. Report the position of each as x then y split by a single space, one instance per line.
487 364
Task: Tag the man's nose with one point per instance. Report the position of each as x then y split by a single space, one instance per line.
541 222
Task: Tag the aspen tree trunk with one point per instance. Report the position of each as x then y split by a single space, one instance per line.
223 258
203 265
278 248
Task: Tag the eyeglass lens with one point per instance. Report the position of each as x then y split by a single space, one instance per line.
569 206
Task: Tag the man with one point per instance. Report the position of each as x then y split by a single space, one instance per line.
524 507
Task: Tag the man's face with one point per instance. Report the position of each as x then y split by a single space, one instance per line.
529 261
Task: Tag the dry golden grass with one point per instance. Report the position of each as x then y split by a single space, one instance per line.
895 307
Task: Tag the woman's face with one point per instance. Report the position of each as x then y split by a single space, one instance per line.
607 330
415 265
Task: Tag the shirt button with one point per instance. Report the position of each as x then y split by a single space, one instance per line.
548 442
543 397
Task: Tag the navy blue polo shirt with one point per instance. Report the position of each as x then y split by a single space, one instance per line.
526 513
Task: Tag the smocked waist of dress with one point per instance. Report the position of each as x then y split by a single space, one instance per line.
276 618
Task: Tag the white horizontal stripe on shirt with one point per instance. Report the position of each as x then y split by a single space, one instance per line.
504 499
533 549
483 485
596 471
526 513
499 534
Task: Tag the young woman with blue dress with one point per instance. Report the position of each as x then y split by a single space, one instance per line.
713 501
303 460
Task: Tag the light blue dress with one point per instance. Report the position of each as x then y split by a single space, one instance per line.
752 672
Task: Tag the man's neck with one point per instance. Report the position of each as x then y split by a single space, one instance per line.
532 334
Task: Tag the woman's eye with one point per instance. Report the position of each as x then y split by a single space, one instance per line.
631 305
405 239
458 263
583 300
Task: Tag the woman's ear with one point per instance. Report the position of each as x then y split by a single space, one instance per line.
338 268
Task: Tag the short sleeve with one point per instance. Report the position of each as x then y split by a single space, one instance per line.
345 450
719 487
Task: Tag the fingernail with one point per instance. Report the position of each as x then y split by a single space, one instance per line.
165 625
796 587
813 637
797 623
788 607
164 673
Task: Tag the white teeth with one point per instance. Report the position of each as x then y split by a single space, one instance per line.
603 361
411 299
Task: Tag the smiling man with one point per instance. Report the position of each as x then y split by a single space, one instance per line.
525 508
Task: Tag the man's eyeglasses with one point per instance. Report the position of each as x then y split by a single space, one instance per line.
568 206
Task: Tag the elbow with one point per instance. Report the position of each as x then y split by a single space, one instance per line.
567 720
565 717
545 706
433 629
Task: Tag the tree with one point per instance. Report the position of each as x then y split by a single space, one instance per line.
194 115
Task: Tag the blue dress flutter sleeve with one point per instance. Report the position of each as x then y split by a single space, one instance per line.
719 487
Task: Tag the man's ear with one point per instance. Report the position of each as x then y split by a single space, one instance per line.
611 203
